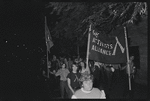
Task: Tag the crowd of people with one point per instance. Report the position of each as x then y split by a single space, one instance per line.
76 81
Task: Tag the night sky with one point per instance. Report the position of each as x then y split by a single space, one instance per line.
22 42
23 47
22 31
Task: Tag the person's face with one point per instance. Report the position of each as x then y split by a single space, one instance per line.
65 59
54 57
88 85
132 57
81 59
74 67
63 65
82 64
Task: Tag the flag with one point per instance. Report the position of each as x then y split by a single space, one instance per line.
108 48
48 38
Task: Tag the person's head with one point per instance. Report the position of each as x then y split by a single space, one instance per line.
65 59
82 64
63 65
131 58
91 63
86 81
69 59
54 57
80 59
74 67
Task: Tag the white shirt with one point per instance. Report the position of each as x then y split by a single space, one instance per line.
87 94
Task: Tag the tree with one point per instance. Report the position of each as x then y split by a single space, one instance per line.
75 16
105 16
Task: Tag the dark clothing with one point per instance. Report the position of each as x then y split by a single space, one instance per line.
54 65
127 92
74 79
70 94
116 76
107 79
64 88
96 74
74 82
102 79
108 74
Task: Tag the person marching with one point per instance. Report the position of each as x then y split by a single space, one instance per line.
82 68
63 72
87 90
73 79
132 76
70 62
54 68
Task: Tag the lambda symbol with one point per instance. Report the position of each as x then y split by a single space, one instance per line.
121 47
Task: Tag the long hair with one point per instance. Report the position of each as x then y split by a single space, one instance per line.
91 65
80 67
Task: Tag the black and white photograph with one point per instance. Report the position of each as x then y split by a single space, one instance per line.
73 50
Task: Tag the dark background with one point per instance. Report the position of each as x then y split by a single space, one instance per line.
22 47
134 50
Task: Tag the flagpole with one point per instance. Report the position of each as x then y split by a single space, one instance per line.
128 67
47 66
88 46
78 52
47 52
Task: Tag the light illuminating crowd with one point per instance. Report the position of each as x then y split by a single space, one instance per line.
78 83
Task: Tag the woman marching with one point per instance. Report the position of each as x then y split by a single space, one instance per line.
83 69
63 72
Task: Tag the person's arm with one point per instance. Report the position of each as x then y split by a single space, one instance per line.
103 96
97 64
119 66
69 82
80 71
105 68
58 73
112 69
51 72
68 71
123 67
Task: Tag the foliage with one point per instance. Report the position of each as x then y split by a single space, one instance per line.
104 15
75 17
